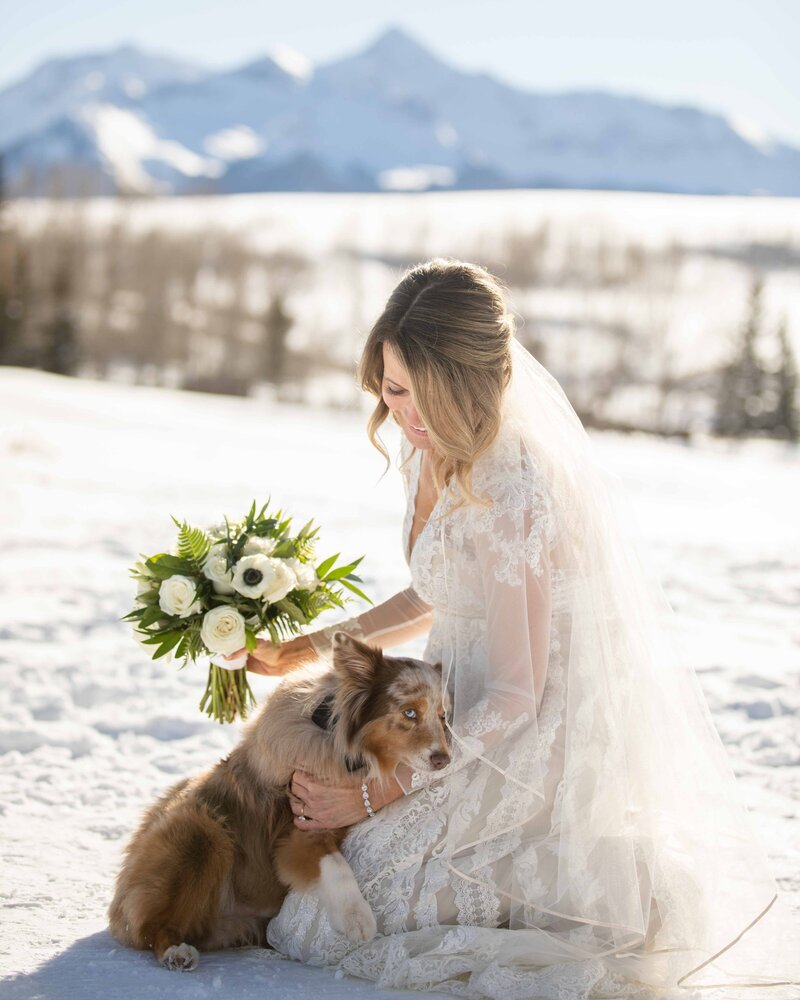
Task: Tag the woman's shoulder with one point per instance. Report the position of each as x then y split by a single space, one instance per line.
504 468
510 476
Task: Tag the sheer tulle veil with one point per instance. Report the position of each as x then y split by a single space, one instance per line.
616 789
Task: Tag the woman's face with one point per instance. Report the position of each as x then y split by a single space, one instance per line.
397 396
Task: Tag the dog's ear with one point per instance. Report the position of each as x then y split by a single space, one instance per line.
438 667
355 658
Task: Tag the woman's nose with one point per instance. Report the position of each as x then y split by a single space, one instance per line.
413 417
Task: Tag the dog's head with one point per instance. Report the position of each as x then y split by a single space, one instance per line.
388 709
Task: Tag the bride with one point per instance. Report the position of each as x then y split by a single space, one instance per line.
587 839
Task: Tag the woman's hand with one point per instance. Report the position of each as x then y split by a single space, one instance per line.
328 807
274 661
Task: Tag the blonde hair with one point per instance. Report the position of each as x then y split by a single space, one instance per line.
448 323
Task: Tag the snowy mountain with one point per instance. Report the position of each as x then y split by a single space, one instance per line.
392 116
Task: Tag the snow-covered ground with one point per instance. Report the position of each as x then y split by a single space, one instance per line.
91 729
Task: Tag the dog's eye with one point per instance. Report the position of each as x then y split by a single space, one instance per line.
409 713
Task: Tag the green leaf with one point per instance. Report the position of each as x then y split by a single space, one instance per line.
250 640
133 615
151 616
165 565
345 583
323 567
193 544
153 640
168 642
291 609
340 571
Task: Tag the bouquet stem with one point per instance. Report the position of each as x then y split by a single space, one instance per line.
227 694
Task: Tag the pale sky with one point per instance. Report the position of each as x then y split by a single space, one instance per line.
738 57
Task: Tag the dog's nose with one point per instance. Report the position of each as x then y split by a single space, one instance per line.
439 760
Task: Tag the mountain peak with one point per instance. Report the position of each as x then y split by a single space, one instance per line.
397 40
279 62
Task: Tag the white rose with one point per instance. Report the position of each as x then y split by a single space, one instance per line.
223 630
258 546
264 577
307 578
220 530
178 596
215 569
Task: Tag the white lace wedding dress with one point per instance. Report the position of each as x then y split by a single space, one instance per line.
491 924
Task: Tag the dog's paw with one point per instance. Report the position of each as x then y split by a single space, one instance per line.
180 958
340 895
355 919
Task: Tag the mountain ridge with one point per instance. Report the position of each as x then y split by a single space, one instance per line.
391 115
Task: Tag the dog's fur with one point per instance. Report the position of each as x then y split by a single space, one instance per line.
213 857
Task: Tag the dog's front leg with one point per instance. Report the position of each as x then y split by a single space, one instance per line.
312 862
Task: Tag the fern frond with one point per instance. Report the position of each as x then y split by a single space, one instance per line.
193 544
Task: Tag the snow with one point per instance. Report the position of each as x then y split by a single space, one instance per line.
128 144
61 86
293 62
91 729
416 178
236 143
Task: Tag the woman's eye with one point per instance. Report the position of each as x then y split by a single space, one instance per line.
394 392
409 713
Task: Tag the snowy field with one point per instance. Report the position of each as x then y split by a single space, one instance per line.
91 729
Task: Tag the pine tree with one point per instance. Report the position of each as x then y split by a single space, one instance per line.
787 415
277 324
60 345
14 290
739 402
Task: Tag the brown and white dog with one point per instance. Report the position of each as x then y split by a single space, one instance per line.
214 857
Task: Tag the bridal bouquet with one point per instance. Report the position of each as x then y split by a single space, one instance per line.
222 586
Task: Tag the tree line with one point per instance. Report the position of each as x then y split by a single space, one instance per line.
208 312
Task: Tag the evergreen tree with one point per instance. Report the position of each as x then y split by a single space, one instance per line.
739 403
14 290
60 344
787 416
277 324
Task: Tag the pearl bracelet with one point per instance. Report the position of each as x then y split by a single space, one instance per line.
365 797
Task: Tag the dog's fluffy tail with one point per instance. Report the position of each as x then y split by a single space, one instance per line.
172 882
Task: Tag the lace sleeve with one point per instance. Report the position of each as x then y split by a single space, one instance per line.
399 619
513 548
496 683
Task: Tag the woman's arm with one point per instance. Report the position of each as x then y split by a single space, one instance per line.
496 695
400 618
